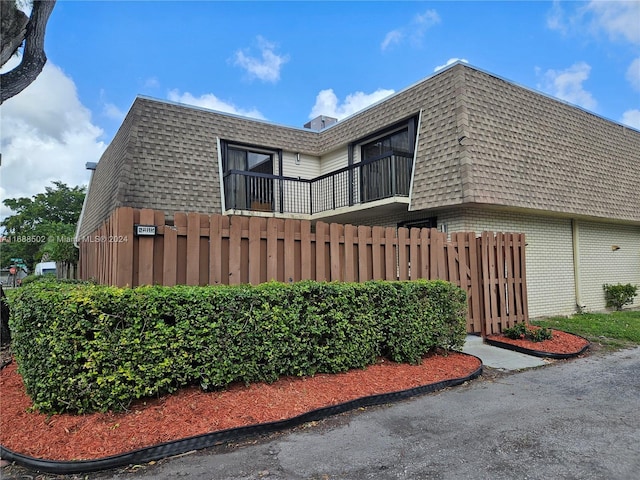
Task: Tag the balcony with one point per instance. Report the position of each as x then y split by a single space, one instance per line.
360 183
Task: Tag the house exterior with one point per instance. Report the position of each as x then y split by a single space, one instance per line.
462 150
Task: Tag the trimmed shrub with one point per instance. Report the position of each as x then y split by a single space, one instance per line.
521 331
617 296
85 347
418 317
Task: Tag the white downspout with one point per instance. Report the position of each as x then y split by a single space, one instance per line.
84 204
575 239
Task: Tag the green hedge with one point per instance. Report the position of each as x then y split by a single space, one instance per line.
83 348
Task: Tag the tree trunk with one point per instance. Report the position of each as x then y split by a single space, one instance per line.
5 333
34 57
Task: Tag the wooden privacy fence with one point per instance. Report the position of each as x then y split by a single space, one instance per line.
203 249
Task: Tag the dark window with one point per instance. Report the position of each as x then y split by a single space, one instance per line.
238 158
252 190
397 142
431 222
387 163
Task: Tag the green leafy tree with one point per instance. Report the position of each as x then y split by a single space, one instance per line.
43 226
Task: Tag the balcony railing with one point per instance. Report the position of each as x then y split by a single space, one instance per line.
362 182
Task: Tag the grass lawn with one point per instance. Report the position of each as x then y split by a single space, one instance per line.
613 330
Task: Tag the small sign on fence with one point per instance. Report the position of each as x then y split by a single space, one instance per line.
145 230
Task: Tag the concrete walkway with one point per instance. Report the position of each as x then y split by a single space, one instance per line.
499 357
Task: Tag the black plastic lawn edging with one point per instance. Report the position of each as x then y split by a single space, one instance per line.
198 442
539 353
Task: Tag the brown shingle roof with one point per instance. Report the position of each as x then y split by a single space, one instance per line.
529 150
481 140
165 157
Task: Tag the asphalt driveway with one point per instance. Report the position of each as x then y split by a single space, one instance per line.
577 419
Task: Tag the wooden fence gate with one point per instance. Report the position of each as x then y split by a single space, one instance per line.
198 249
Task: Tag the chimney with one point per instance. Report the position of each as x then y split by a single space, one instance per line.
320 123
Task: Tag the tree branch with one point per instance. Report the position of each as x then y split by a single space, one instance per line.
13 24
34 57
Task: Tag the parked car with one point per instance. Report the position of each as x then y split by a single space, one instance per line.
45 268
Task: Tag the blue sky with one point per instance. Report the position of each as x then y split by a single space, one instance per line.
288 62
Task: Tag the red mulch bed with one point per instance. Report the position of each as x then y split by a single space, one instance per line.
191 412
562 342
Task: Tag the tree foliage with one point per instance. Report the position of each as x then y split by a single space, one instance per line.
18 29
43 226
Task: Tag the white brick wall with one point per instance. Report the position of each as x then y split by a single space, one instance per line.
550 280
600 264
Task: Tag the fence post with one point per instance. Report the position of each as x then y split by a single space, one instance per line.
335 231
321 229
235 250
377 234
215 249
145 250
363 254
403 259
474 279
272 248
414 254
350 233
390 253
305 250
256 226
193 249
437 255
290 227
124 249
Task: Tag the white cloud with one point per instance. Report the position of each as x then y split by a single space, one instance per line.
109 109
449 62
618 19
267 67
152 82
414 31
556 19
210 101
633 74
46 135
113 112
392 38
327 103
568 85
631 118
421 23
427 19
